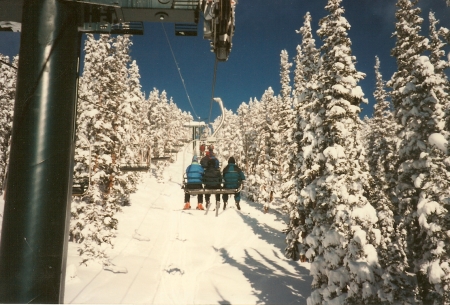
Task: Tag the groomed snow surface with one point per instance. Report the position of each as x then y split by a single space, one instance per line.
187 257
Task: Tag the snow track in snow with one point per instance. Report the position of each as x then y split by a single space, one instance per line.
190 257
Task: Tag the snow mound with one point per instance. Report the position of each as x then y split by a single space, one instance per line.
439 141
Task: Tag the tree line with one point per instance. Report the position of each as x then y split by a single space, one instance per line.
368 200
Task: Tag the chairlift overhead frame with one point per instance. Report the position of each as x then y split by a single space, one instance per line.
128 16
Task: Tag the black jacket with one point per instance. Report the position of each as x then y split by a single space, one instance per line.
212 177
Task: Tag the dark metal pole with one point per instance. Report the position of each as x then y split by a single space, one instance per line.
34 238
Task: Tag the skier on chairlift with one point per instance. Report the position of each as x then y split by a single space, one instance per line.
205 159
194 175
202 149
213 157
233 177
212 180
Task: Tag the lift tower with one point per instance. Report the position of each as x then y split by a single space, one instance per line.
33 245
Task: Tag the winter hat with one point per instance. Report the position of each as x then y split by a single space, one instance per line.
207 153
194 159
211 163
231 160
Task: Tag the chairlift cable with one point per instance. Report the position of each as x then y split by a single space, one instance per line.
179 71
213 88
8 64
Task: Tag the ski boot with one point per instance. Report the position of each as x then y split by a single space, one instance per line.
237 205
200 207
187 206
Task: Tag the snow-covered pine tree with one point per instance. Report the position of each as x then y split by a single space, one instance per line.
8 77
419 94
248 136
177 118
162 140
267 168
102 91
135 108
255 122
383 163
344 238
305 85
176 132
123 184
286 148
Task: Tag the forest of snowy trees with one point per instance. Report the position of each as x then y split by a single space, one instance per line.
116 126
368 200
122 128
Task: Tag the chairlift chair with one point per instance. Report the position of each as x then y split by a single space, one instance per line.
142 166
204 191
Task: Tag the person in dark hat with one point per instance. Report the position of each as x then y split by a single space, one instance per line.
194 179
205 159
233 177
212 180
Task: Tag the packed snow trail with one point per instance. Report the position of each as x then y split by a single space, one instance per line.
187 257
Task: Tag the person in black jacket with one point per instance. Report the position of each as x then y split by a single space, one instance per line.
232 177
212 179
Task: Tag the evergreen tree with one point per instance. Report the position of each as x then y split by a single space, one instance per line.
286 148
101 120
420 95
8 77
382 158
305 85
248 137
135 107
255 135
267 168
343 240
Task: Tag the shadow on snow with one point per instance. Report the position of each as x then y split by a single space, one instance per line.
271 283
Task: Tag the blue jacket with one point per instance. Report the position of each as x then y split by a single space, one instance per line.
194 173
232 176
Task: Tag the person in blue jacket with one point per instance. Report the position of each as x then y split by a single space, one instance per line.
194 176
232 177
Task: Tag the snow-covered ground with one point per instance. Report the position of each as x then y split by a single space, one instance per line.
187 257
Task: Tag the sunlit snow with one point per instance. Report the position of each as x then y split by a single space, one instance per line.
164 255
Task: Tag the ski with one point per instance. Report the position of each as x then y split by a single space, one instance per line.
207 209
217 208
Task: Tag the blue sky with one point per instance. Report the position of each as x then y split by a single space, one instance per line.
263 29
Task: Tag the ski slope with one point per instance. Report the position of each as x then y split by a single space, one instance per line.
187 257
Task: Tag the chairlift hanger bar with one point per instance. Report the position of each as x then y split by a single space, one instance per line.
119 11
128 17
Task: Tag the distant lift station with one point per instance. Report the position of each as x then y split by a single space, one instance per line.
33 245
198 127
